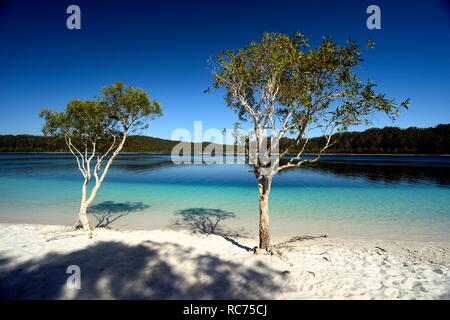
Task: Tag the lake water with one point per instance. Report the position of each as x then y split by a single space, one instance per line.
389 197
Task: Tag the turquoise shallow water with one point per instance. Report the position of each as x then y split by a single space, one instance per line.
349 196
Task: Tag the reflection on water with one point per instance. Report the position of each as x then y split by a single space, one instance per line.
389 173
434 170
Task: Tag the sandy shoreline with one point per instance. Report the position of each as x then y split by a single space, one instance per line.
167 264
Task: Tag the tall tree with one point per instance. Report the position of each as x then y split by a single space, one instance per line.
284 88
95 131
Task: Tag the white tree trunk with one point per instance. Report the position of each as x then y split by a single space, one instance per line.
83 221
264 185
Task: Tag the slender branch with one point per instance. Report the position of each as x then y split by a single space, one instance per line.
291 163
100 179
72 148
88 160
97 167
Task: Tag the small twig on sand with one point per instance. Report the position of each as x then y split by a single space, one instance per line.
312 273
298 239
62 236
281 256
68 233
273 252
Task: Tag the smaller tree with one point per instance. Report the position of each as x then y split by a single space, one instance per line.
96 131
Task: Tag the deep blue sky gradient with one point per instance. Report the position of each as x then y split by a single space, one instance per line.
163 47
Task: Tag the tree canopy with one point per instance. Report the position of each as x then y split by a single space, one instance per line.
120 110
283 85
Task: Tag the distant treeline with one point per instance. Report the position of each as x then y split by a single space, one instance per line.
30 143
386 140
392 140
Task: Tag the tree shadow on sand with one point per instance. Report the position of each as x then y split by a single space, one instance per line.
109 211
208 221
113 270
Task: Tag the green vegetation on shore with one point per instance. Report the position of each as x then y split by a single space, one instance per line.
390 140
393 140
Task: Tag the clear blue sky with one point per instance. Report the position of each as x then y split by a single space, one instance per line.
163 46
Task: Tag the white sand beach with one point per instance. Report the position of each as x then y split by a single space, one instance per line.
167 264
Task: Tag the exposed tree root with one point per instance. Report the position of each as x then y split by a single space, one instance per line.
273 252
78 226
276 250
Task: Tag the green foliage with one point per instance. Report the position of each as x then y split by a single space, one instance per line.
82 121
389 140
317 86
120 110
130 107
134 144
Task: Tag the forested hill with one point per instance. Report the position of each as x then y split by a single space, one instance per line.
30 143
393 140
